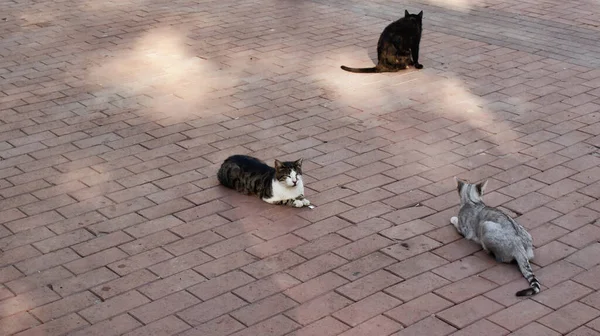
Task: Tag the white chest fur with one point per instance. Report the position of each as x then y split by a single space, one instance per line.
282 192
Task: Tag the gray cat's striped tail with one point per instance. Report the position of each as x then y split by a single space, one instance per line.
525 267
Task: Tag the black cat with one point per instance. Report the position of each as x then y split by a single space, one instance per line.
398 46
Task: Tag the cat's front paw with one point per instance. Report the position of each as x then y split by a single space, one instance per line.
305 202
419 66
298 204
454 221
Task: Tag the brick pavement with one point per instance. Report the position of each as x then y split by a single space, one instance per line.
114 117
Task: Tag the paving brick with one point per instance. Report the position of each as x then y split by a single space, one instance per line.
38 279
416 286
535 329
17 323
124 284
114 306
411 247
419 308
569 317
84 281
210 309
429 326
366 308
56 327
165 306
465 289
65 306
220 326
416 265
520 314
469 311
562 294
265 287
482 327
171 284
364 266
273 264
27 301
368 285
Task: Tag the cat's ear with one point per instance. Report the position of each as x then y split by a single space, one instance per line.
481 187
420 14
298 163
406 13
459 183
277 164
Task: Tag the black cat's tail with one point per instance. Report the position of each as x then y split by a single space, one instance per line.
360 70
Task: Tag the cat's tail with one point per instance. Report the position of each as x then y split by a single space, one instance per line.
361 70
525 267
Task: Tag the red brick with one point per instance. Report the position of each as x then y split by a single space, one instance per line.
569 317
38 279
210 309
275 326
27 301
180 263
416 265
589 278
265 287
321 245
148 242
83 281
101 243
552 252
64 240
111 327
463 268
465 289
363 247
318 308
263 309
124 284
224 325
34 221
411 247
520 314
202 211
57 327
322 228
417 309
164 327
325 327
315 287
197 226
46 261
368 285
165 306
469 311
192 243
221 284
225 264
139 261
172 284
364 266
114 306
378 325
431 326
9 273
366 308
483 327
62 307
17 322
76 222
414 287
273 264
562 294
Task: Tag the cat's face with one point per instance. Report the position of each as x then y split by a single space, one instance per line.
416 17
289 173
470 191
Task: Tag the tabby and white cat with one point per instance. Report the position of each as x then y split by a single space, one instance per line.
497 233
250 176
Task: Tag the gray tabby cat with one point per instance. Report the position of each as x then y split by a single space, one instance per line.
250 176
498 234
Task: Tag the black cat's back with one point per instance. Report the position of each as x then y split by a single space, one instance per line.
246 174
398 46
